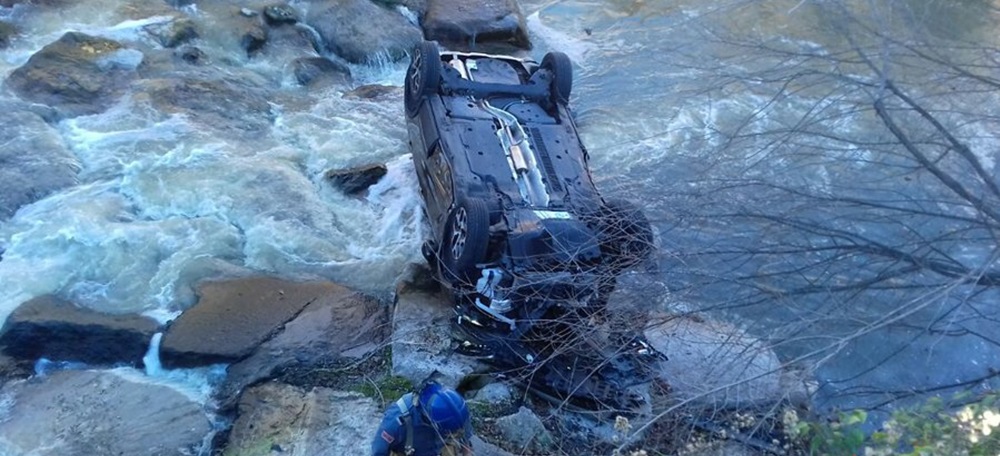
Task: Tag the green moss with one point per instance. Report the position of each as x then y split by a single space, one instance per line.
386 389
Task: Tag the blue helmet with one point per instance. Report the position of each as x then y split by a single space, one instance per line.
444 407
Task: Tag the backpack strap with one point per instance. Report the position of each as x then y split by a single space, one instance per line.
405 405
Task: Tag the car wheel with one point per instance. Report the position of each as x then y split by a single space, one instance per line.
626 235
422 76
561 68
465 241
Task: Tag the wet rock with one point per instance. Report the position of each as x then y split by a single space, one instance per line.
78 74
299 421
417 7
280 14
356 180
35 160
232 318
219 104
373 92
7 32
253 36
341 324
713 364
421 338
315 71
466 25
524 433
192 55
52 328
294 41
362 32
74 413
173 33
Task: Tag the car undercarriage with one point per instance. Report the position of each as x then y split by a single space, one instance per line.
519 232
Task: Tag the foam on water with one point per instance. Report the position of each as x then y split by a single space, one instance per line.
370 241
555 38
151 360
196 384
88 244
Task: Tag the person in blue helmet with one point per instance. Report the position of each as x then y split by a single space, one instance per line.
433 422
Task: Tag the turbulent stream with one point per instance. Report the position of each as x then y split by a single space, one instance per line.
161 202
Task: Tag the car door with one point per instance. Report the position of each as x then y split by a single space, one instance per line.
440 185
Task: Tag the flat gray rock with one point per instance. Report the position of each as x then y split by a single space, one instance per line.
714 364
233 317
85 413
469 24
280 419
343 324
61 331
421 337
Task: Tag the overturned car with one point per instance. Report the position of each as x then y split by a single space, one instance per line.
519 232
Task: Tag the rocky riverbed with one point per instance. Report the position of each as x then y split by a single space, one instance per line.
308 367
252 357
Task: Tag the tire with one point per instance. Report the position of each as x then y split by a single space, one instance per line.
465 240
561 68
626 235
423 75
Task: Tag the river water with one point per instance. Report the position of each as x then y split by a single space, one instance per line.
162 204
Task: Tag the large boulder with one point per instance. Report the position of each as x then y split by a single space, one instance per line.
422 346
716 365
320 71
77 74
362 32
467 25
280 14
35 160
52 328
282 419
233 317
342 325
224 105
78 413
